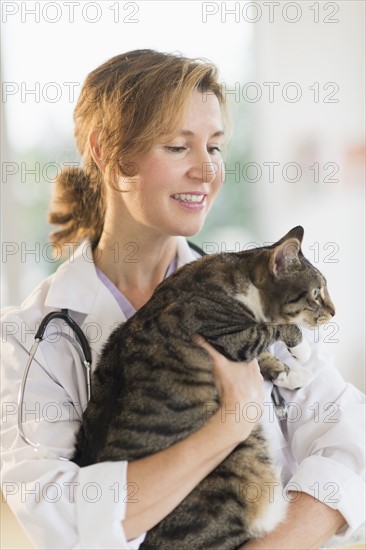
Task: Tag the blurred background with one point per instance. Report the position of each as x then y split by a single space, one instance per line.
294 75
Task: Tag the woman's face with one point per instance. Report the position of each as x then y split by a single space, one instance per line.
178 179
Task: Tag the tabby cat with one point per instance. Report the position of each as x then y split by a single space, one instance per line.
152 382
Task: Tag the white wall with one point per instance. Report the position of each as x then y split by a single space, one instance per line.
306 132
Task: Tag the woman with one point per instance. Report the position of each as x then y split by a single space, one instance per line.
149 127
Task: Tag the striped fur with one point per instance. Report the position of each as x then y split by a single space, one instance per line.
153 386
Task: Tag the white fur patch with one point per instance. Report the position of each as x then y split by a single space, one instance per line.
274 513
301 352
252 300
296 378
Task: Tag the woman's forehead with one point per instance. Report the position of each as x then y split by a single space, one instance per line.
200 113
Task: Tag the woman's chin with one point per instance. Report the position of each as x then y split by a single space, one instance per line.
190 231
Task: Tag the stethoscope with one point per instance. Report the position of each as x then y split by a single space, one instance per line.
82 343
83 346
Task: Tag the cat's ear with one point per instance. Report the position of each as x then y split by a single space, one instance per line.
284 257
294 233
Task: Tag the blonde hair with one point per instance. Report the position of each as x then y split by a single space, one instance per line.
132 100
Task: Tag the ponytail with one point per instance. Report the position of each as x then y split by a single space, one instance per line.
78 206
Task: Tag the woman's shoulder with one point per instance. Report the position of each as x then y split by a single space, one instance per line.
31 304
60 289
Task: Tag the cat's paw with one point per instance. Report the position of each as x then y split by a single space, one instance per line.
301 352
295 378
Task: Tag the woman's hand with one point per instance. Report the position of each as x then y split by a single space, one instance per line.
240 386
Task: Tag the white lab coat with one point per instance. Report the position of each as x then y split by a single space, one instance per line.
63 506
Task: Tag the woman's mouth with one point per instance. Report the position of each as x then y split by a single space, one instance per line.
192 201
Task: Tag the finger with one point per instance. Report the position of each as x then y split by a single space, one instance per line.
198 339
208 347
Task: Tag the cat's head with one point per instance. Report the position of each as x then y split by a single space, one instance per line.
292 289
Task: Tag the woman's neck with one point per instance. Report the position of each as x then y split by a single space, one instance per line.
135 265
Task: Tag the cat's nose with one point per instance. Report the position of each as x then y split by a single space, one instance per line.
328 304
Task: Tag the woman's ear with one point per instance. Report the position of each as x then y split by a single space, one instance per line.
96 149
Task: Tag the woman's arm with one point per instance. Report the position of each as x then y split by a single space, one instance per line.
167 477
325 435
309 523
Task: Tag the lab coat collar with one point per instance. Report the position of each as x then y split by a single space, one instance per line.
75 283
76 286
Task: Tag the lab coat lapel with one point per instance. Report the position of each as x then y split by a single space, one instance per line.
75 283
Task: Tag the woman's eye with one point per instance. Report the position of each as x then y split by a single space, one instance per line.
176 149
180 149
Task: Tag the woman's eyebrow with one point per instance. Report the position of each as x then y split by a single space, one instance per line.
190 133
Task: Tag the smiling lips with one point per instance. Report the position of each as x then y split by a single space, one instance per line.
189 197
191 201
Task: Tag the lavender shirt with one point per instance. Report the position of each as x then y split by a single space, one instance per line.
127 308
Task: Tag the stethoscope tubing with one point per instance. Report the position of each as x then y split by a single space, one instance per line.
87 360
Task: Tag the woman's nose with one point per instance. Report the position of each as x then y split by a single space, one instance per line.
203 168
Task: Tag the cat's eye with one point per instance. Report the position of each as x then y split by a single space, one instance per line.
316 294
298 297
